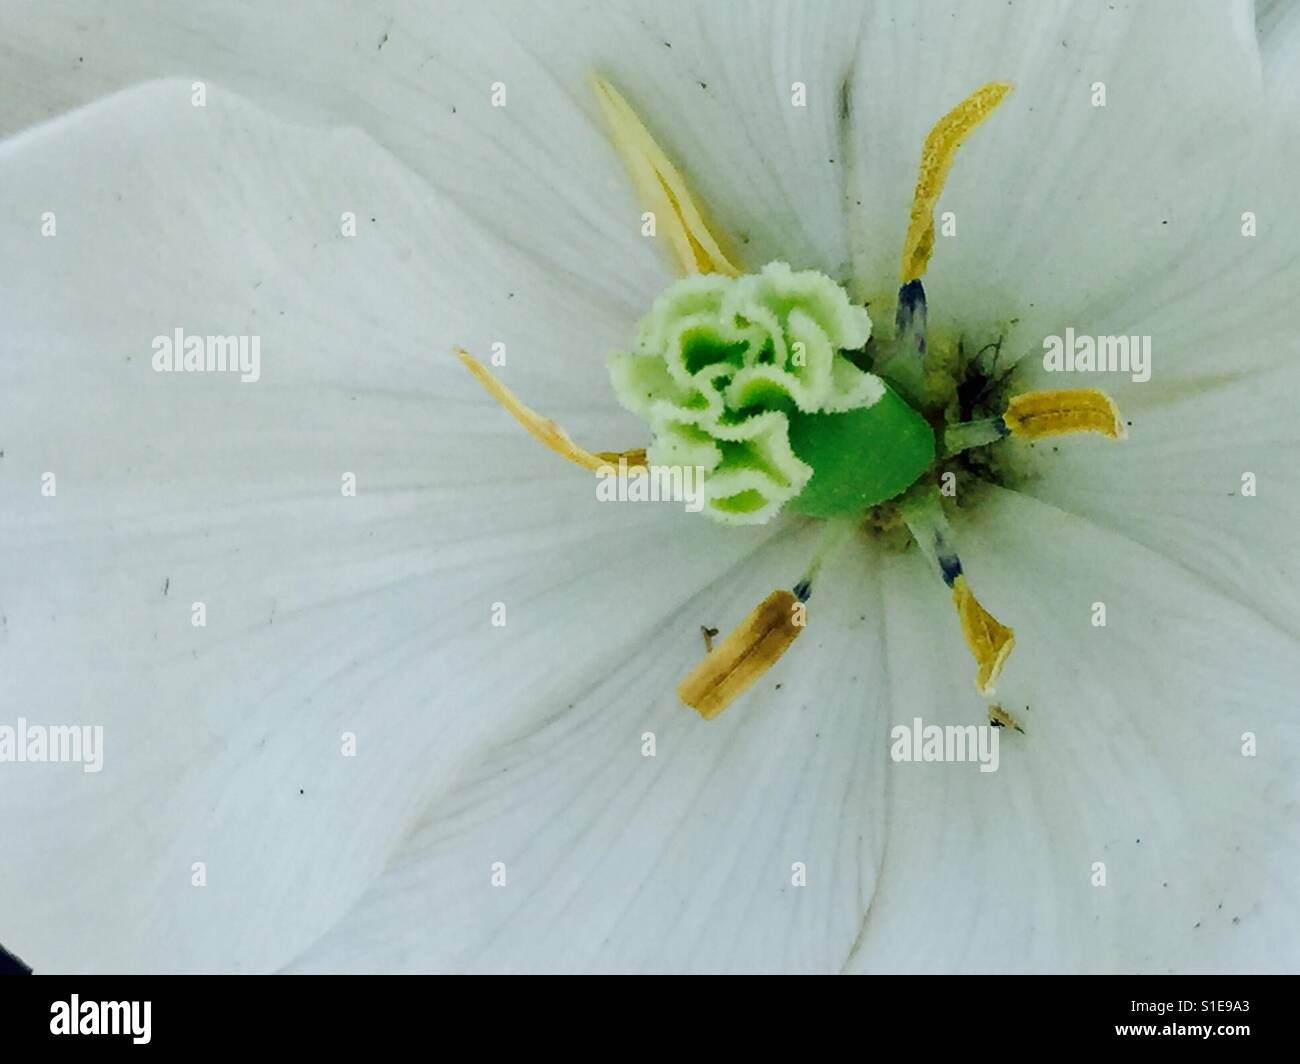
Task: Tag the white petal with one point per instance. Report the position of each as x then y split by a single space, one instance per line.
683 861
714 82
1181 483
1132 757
326 614
1218 409
1277 23
1058 203
1268 15
1167 214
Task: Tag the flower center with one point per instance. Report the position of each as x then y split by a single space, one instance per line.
748 380
772 386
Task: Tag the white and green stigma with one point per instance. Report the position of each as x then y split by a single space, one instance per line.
749 379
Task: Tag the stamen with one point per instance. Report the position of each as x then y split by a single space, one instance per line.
834 534
924 515
910 316
1033 415
903 361
662 188
1000 718
753 647
936 160
544 429
968 434
990 642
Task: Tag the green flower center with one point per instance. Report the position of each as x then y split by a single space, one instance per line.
757 380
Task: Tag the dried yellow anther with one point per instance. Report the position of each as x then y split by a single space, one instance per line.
752 648
635 459
661 188
1000 718
990 642
1033 415
546 430
936 160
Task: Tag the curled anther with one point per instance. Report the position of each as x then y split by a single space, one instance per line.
1000 718
941 145
661 187
990 641
544 429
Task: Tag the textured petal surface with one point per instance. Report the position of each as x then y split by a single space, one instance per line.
686 860
1118 114
1277 23
326 613
1132 757
1207 476
1206 479
1128 829
369 615
715 84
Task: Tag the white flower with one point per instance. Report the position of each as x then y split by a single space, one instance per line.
516 752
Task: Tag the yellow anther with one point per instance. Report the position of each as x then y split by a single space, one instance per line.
990 643
546 430
661 188
936 160
753 647
999 717
634 458
1033 415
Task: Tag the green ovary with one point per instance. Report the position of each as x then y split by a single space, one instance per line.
746 377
